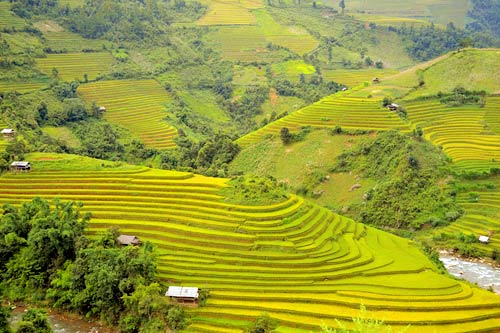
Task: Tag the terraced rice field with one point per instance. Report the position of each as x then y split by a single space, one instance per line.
136 106
482 216
244 43
352 78
22 87
298 262
73 66
71 42
9 19
390 21
336 110
294 38
230 12
460 131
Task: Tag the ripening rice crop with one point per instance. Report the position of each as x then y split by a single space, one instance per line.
296 261
137 105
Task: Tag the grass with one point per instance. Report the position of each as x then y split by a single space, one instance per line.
438 11
136 105
230 12
24 86
63 134
294 38
54 162
352 78
73 66
244 43
204 104
292 69
471 69
296 164
57 39
390 20
72 3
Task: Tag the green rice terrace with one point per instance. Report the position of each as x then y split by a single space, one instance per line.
337 110
297 261
8 19
460 131
135 105
481 201
74 66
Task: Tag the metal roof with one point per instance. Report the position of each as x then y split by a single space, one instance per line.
20 164
7 131
189 292
129 240
484 239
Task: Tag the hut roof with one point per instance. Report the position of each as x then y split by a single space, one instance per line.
23 164
129 240
484 239
189 292
7 131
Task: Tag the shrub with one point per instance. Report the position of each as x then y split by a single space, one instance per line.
263 324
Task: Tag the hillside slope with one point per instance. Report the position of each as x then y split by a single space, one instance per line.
292 259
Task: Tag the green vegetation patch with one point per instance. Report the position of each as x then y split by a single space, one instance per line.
292 69
63 134
410 191
470 69
8 19
42 162
301 165
296 39
253 191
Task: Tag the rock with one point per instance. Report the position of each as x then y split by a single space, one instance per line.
355 187
344 209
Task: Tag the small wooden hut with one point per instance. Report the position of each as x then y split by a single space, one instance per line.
20 166
183 294
8 132
484 239
129 240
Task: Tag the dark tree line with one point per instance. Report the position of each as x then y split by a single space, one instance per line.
485 16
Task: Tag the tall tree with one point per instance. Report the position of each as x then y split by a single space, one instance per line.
342 6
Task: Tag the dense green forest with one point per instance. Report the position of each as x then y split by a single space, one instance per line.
47 258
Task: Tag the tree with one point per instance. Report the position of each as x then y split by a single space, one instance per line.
37 239
286 136
263 324
4 318
34 321
342 6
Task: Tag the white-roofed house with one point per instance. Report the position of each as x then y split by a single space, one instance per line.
8 132
183 294
20 166
129 240
484 239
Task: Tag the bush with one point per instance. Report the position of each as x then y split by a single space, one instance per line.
263 324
